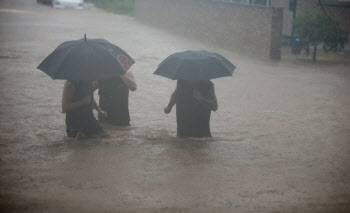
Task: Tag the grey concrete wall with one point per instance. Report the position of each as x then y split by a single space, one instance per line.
252 29
287 15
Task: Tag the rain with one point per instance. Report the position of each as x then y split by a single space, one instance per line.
280 136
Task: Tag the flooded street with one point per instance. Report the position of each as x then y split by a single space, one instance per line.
281 135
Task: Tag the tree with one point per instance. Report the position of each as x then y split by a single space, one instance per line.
316 29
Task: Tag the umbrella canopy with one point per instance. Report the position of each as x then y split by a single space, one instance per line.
86 59
195 65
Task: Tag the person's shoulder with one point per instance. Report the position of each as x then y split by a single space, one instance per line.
69 85
209 84
130 74
179 82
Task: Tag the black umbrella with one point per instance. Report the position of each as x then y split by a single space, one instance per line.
86 59
195 65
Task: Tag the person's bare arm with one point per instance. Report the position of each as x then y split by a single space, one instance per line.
172 102
97 108
129 81
67 104
210 102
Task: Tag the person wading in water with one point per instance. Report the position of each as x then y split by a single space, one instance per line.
114 99
194 102
78 103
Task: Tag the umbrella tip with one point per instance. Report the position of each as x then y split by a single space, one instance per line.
85 36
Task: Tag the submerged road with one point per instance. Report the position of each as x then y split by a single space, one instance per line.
281 136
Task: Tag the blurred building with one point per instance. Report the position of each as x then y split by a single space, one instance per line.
339 10
257 27
252 2
234 25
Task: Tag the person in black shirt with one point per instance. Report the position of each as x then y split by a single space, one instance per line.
78 103
194 102
114 99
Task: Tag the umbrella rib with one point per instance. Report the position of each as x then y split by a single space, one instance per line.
175 74
110 54
64 57
89 59
206 65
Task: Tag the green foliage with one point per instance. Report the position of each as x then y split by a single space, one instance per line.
316 29
125 7
334 37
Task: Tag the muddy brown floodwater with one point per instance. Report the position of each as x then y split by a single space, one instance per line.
281 136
